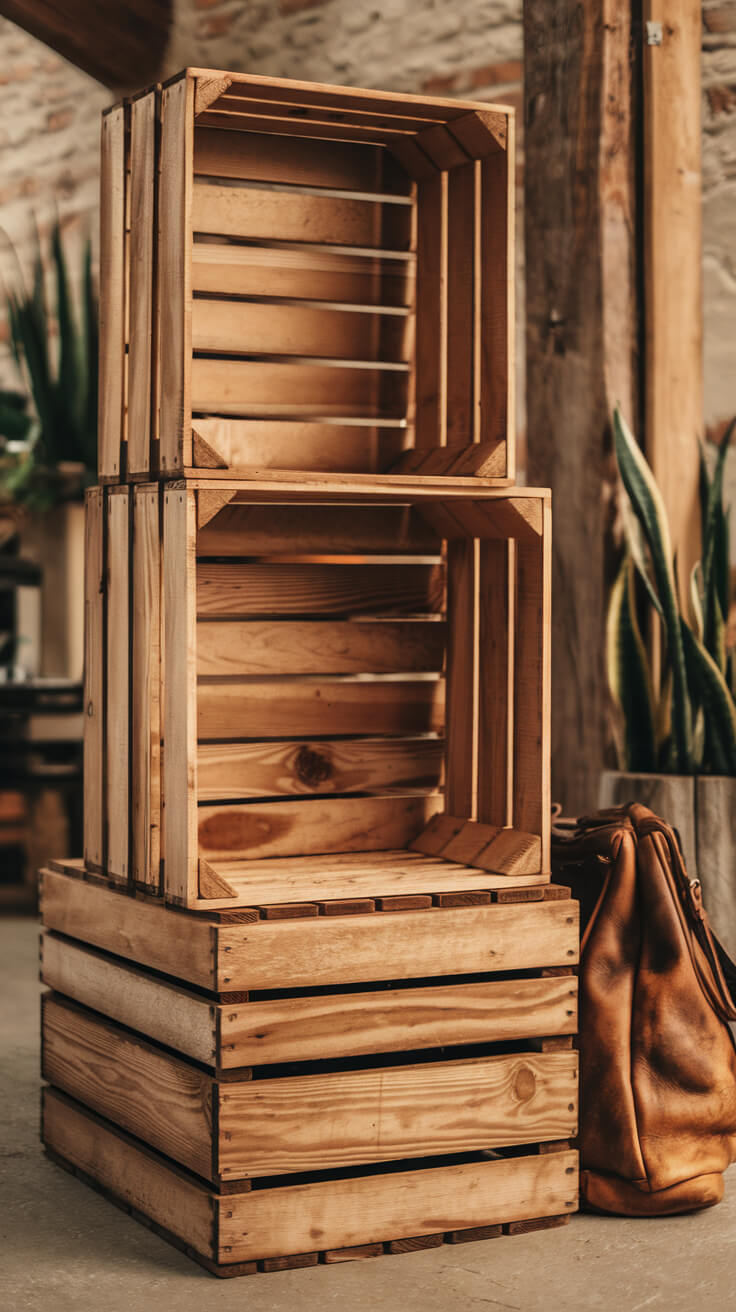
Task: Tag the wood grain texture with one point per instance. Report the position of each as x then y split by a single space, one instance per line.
234 589
130 928
246 212
117 718
264 157
143 114
298 328
243 770
497 588
290 444
462 677
141 1180
497 289
264 647
133 997
312 1122
431 298
304 272
180 696
294 1029
462 305
360 948
161 1099
112 294
290 828
174 273
315 530
253 388
146 690
532 710
260 708
94 675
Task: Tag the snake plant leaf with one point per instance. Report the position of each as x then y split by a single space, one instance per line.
649 509
699 739
696 601
628 672
68 381
15 422
90 353
638 550
717 701
732 673
718 640
713 542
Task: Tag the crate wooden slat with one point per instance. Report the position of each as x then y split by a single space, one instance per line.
301 667
313 283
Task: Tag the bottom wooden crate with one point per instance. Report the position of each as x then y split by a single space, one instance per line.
331 1217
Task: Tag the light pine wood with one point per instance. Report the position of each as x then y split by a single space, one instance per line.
462 675
533 695
143 114
269 158
312 530
431 299
313 1122
112 293
174 273
258 708
245 387
234 589
141 1180
304 272
140 931
480 509
496 688
253 830
497 285
303 329
482 459
462 305
94 674
136 999
163 1100
117 717
282 769
180 696
346 1024
252 647
247 212
146 690
354 949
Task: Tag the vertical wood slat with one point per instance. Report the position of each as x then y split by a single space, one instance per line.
496 695
461 726
532 695
146 691
431 311
94 676
497 311
174 290
111 407
461 420
118 685
143 113
180 696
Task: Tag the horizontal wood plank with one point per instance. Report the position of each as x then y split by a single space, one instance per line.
252 830
245 387
243 770
312 530
263 157
235 589
260 708
248 212
289 444
302 272
259 328
319 647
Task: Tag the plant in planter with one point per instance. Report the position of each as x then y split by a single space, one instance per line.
48 438
677 741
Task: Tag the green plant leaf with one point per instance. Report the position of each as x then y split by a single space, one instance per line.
696 600
717 701
636 544
628 672
715 540
649 509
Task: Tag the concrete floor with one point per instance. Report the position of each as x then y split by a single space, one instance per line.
64 1249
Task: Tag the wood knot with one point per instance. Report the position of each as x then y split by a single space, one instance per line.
525 1084
312 767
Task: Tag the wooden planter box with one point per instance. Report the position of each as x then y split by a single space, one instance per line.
324 677
245 1066
306 277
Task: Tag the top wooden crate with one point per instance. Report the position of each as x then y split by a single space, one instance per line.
306 277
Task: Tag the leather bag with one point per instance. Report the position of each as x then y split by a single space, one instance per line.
657 1055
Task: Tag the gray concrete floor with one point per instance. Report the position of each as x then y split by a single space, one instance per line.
64 1249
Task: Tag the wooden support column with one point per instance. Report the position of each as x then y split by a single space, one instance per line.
581 80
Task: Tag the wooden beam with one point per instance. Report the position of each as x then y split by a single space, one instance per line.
582 334
122 47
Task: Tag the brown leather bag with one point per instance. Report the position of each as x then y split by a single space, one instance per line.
657 1056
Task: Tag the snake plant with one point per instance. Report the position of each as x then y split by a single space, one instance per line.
687 724
54 345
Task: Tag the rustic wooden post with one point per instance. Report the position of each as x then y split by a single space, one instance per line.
582 334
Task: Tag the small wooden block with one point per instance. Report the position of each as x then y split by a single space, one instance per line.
352 1254
405 902
243 915
559 1043
354 906
437 834
293 1263
290 911
539 1223
511 853
472 839
472 898
411 1245
223 1270
520 895
554 1146
556 893
470 1236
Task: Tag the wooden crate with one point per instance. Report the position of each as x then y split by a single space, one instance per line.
329 662
307 277
203 1067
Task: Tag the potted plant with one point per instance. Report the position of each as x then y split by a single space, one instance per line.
676 736
48 438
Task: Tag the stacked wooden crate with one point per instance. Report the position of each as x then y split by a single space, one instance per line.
312 990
